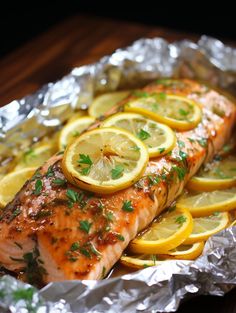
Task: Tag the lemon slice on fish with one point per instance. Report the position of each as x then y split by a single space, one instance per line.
35 156
102 104
105 160
204 227
177 112
158 138
185 251
73 129
164 234
216 175
12 183
206 203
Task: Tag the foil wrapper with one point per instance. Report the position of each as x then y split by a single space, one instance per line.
156 289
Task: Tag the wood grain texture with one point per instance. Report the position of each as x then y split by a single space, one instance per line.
77 41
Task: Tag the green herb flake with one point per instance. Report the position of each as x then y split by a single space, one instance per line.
183 112
38 187
143 135
15 213
181 172
127 206
59 182
183 155
85 159
85 226
72 195
181 144
153 180
50 172
180 220
161 150
29 154
75 133
140 94
85 252
86 170
202 142
75 246
23 294
120 237
72 259
117 171
216 214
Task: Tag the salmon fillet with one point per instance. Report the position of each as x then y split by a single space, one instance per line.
54 231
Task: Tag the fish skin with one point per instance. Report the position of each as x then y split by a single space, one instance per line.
55 224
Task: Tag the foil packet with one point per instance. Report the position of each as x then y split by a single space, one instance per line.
156 289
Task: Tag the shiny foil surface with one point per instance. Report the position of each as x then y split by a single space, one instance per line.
155 289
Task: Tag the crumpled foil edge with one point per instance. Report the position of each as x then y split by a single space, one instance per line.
155 289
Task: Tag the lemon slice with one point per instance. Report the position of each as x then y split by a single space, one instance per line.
185 251
204 227
206 203
140 261
103 103
178 112
216 175
12 183
158 138
73 129
105 160
35 156
164 234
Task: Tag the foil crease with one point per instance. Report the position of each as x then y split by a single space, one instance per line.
155 289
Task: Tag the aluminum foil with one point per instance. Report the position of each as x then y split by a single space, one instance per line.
22 122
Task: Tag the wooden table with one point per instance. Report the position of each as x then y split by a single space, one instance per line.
77 41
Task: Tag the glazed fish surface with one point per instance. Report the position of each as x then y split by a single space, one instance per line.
54 231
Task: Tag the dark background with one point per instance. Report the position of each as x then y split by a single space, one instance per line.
20 21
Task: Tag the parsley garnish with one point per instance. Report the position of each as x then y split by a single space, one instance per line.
85 159
181 144
25 294
85 226
49 172
202 142
141 94
143 135
38 187
161 150
180 220
183 112
85 252
182 155
72 196
153 180
59 182
120 237
180 171
216 213
75 246
127 206
161 95
109 216
117 171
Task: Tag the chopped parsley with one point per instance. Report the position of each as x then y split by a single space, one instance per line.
109 216
120 237
180 220
75 246
50 172
153 180
85 252
59 182
140 94
72 195
161 150
127 206
15 213
38 187
143 135
181 172
202 142
117 171
216 214
181 144
25 294
85 226
183 155
183 112
85 159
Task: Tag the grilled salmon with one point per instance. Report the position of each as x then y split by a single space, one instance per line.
54 231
